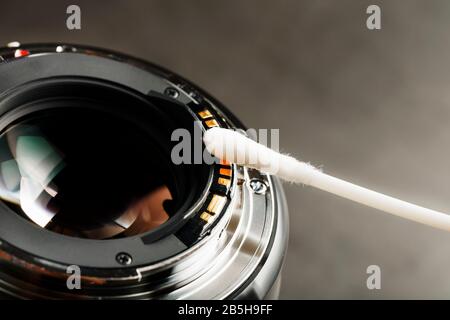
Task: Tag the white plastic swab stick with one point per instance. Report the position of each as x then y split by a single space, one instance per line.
234 147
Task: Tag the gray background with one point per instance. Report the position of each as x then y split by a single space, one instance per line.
370 106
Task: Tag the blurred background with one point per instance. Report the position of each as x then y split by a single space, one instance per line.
372 107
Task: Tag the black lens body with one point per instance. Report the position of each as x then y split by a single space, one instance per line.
87 180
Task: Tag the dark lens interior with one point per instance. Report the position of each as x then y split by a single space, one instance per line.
86 173
91 159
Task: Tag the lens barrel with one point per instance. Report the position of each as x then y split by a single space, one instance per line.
88 183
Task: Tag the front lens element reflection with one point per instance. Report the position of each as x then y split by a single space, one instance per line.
100 180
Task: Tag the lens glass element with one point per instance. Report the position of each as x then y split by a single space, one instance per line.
85 173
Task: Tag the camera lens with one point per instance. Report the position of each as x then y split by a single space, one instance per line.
88 178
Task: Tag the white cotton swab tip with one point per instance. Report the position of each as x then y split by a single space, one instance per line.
234 147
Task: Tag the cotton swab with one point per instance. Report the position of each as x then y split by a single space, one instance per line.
234 147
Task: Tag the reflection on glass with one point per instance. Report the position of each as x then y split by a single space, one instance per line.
98 184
